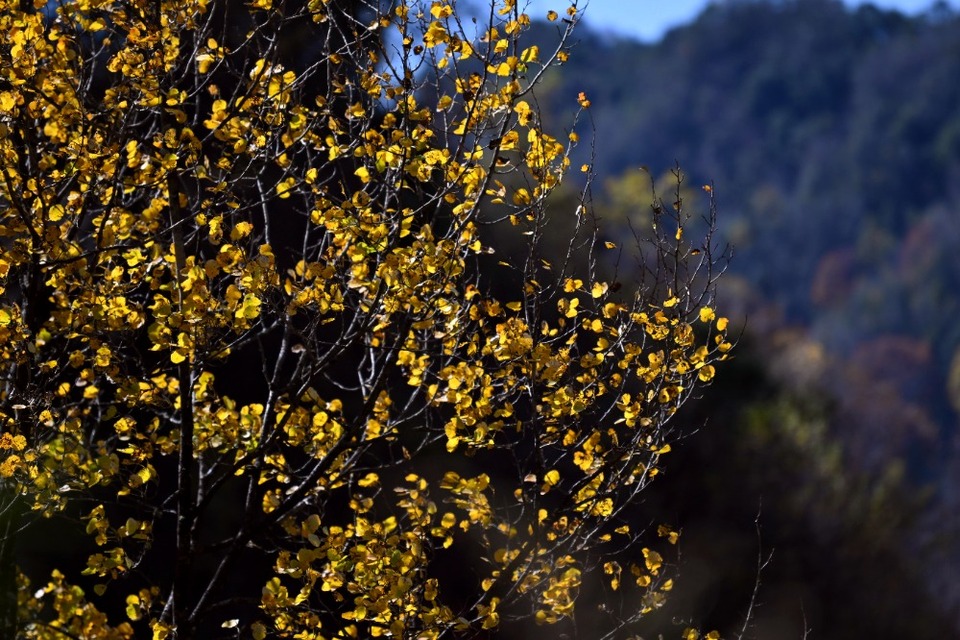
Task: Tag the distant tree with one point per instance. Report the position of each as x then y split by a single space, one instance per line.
253 364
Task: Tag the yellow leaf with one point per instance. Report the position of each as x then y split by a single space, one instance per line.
491 620
161 631
439 11
504 68
369 480
602 508
521 197
552 477
653 560
666 532
435 35
722 324
285 187
7 101
250 307
241 230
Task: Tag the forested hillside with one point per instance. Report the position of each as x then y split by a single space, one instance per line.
831 138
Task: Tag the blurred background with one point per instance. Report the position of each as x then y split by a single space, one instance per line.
831 135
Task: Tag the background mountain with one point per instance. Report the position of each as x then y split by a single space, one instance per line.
832 140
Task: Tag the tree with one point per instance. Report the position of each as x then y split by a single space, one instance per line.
259 363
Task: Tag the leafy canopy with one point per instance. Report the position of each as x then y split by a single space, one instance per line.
258 348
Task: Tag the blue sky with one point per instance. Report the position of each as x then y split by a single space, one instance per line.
648 19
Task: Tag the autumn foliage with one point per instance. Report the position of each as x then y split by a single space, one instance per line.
261 357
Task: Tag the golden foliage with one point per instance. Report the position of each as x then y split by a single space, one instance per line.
238 285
